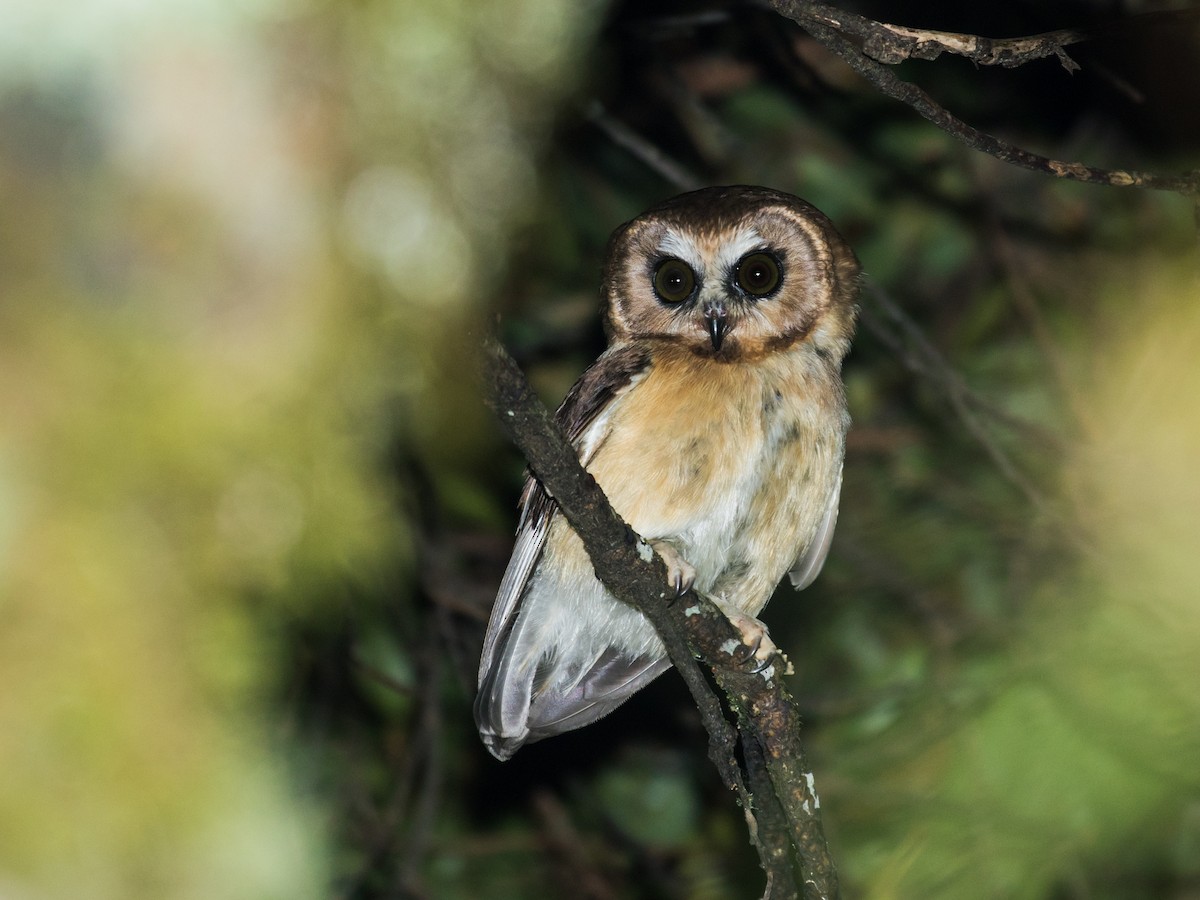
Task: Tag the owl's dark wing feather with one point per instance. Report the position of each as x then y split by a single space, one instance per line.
502 703
590 397
808 566
612 679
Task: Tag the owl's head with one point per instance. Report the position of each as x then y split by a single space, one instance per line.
732 273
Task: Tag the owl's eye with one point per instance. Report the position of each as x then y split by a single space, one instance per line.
674 281
758 274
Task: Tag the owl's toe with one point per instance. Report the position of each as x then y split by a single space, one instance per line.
680 573
757 643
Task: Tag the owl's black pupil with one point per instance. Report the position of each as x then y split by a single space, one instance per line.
758 274
673 281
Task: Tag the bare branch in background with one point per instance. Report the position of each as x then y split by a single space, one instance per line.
892 44
671 171
884 318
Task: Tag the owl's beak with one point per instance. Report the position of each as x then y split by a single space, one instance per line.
717 319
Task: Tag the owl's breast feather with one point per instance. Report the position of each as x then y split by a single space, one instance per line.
732 463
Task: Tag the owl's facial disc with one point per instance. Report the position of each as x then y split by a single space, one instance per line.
731 274
713 279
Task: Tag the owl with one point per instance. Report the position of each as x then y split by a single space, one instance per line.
715 422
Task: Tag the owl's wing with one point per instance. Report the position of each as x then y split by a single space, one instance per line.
583 416
610 679
537 512
806 569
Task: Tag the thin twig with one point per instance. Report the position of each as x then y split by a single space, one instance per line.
622 135
953 387
414 844
1025 302
904 337
586 879
381 677
404 826
900 332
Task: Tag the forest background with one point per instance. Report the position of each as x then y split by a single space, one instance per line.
253 511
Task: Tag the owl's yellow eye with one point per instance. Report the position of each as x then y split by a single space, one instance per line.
674 280
758 274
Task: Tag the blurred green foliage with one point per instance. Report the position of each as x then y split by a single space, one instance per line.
252 513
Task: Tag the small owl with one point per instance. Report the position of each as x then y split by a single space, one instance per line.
715 422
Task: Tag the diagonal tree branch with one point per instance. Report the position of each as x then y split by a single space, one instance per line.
889 44
690 626
654 158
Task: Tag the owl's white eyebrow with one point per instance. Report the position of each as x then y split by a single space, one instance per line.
730 251
676 244
744 241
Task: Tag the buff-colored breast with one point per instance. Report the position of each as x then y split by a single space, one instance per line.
733 463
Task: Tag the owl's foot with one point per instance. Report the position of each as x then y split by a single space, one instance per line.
680 574
757 642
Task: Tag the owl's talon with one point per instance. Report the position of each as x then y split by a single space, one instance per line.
680 573
757 643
